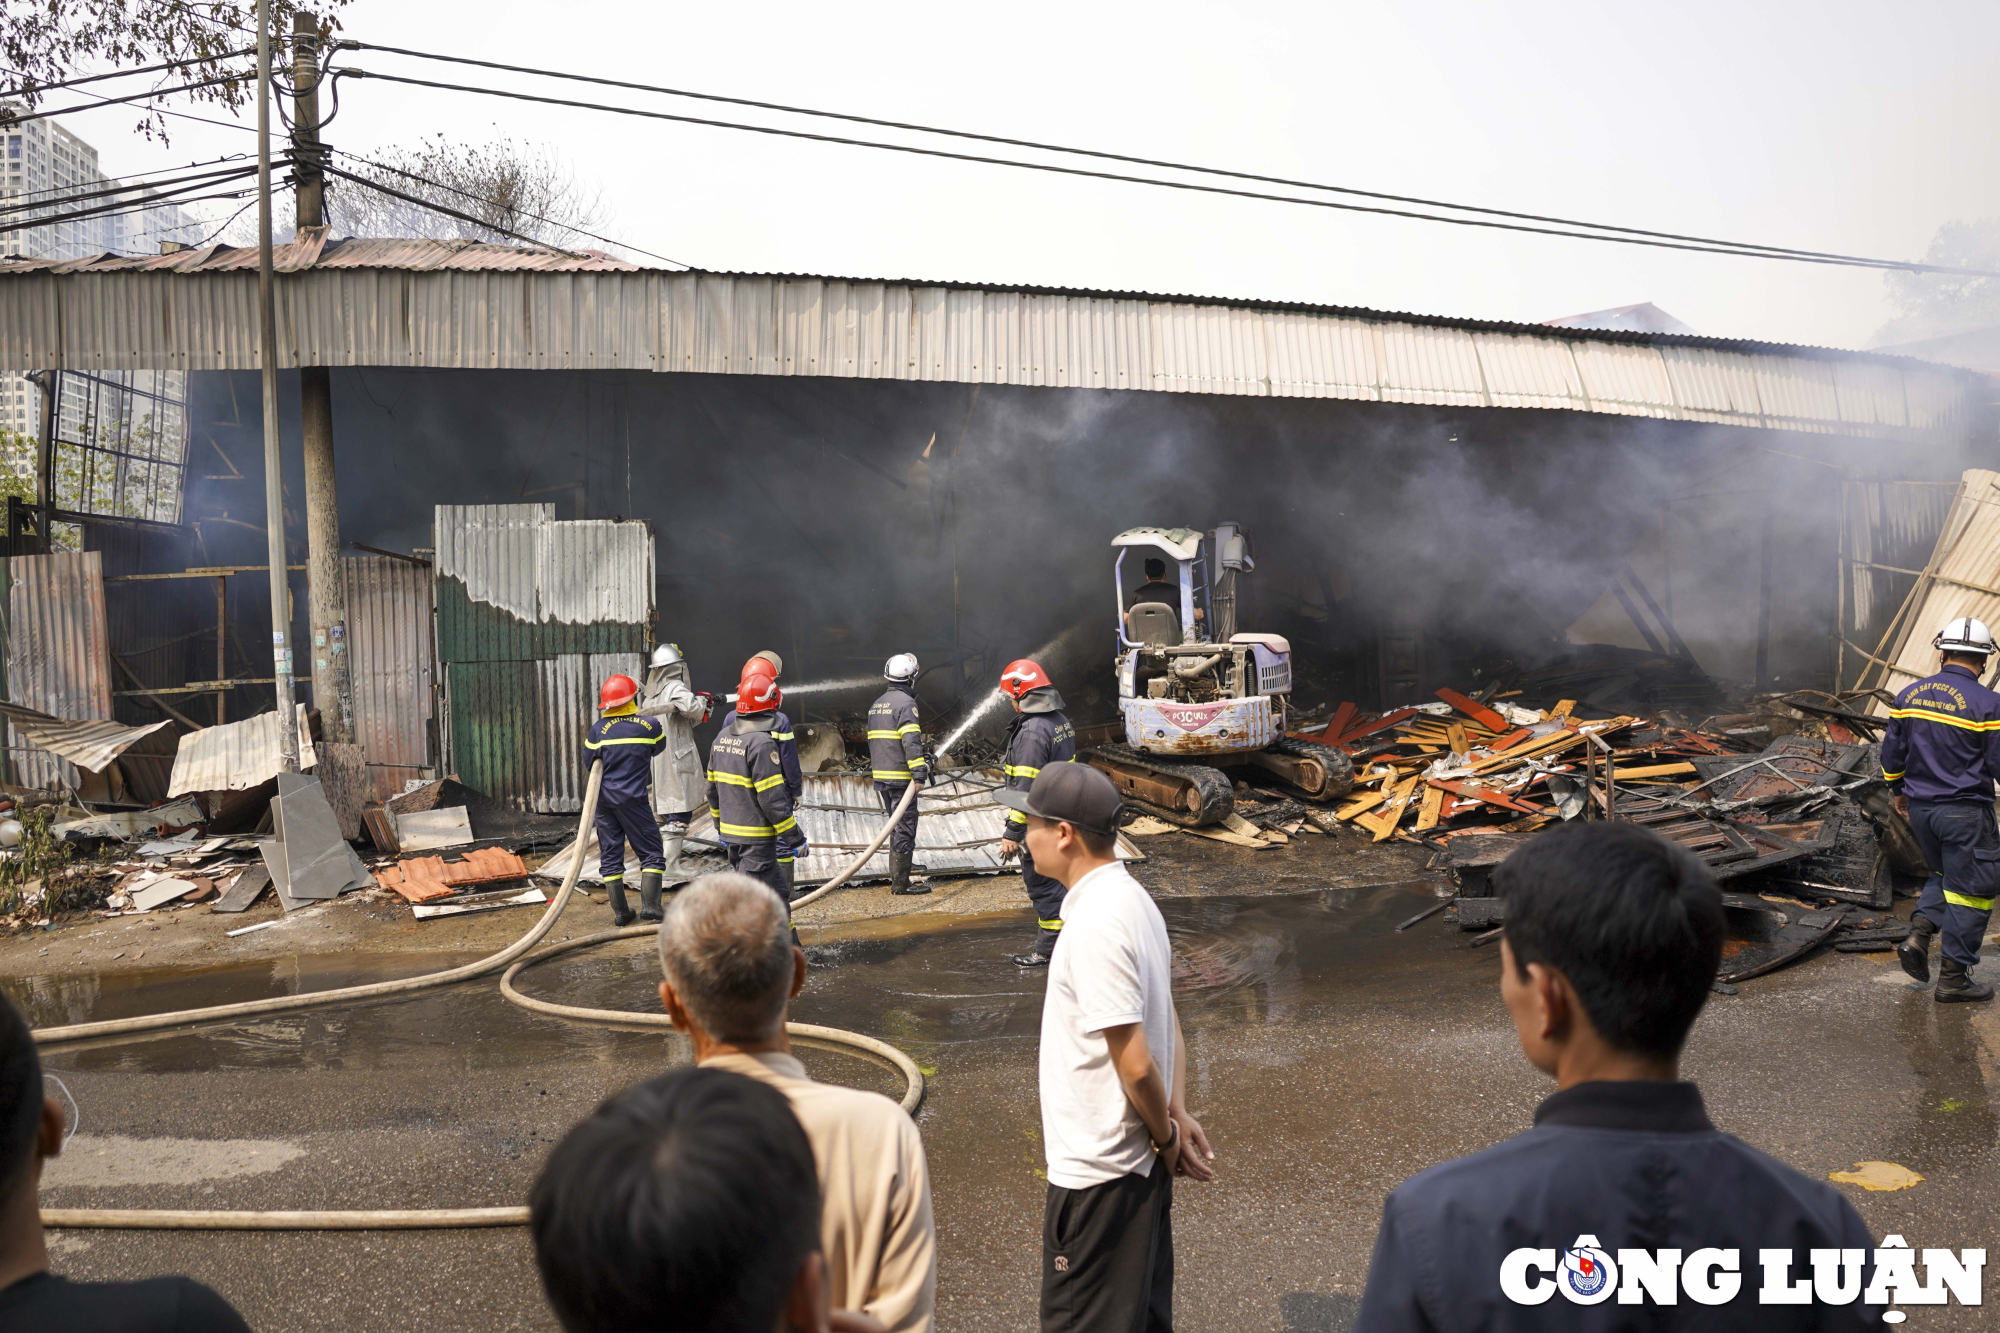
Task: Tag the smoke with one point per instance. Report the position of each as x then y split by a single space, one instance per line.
991 703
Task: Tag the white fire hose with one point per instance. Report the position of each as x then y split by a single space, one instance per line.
380 1219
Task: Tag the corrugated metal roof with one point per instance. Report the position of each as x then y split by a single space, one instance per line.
91 745
1964 580
471 313
312 249
235 756
58 652
390 665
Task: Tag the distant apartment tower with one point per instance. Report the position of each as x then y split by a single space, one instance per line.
45 164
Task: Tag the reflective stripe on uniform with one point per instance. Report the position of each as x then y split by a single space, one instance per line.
892 775
1887 776
609 878
782 735
1050 925
1022 771
784 860
906 729
785 825
746 830
727 779
621 740
884 735
1927 715
765 784
1966 900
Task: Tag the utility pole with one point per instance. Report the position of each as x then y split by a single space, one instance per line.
333 693
267 359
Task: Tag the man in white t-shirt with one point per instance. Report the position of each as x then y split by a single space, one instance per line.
1114 1126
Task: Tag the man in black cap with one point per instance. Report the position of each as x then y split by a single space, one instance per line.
1115 1128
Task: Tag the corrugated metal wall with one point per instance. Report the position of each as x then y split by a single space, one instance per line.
391 665
1963 579
750 324
532 614
58 652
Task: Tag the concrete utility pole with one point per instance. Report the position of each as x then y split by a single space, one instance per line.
267 359
333 693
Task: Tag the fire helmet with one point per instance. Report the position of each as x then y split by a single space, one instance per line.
1021 676
757 691
901 668
667 654
1965 635
777 662
617 690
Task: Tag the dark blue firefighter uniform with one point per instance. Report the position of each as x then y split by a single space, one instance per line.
1942 750
1633 1166
1035 740
626 743
752 809
896 751
788 750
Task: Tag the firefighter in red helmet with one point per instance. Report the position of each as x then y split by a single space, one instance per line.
747 795
625 743
1040 735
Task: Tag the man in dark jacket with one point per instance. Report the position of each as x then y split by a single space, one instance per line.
896 753
1623 1193
1040 735
625 742
781 731
1941 755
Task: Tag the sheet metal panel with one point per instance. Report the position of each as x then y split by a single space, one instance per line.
91 745
958 825
499 732
594 571
391 665
58 653
488 563
425 307
1967 558
237 756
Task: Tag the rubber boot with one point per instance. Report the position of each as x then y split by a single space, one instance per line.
1956 986
671 846
649 895
899 876
788 871
1914 953
621 915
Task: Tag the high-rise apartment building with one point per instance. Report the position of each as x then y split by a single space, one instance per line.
41 164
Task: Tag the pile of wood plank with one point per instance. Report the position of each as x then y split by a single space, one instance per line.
1468 762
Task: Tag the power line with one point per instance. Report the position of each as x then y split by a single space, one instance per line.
410 175
1740 246
1720 248
64 201
35 89
114 209
8 120
448 212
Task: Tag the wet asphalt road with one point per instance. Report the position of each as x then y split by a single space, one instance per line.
1330 1059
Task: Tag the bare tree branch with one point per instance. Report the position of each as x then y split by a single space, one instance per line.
526 189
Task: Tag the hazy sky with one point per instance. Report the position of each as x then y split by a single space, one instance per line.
1830 125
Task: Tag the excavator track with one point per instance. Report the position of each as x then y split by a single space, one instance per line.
1316 772
1190 795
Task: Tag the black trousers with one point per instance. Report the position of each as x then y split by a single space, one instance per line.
1108 1256
1047 896
759 860
619 822
904 837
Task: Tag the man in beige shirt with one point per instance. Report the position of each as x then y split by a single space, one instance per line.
731 972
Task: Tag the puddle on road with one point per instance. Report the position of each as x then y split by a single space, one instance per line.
1260 959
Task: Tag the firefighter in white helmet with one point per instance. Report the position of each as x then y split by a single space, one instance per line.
1941 757
896 752
680 783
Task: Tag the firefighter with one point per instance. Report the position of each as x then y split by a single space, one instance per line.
896 752
787 739
625 744
1941 755
1040 735
677 771
746 787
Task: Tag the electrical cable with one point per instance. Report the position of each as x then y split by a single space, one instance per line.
36 89
8 122
448 212
120 207
373 1219
12 206
1725 248
1751 248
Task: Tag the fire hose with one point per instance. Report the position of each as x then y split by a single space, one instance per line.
376 1219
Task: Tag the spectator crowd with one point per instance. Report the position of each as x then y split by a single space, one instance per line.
738 1195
